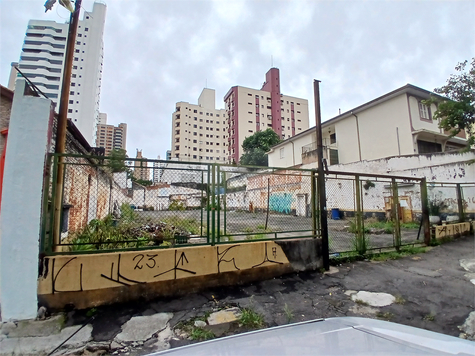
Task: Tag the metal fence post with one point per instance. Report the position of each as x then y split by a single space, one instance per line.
313 203
460 203
44 211
212 205
218 206
397 226
208 205
51 237
224 202
201 204
360 236
425 211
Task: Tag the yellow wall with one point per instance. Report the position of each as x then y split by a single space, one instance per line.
75 273
450 230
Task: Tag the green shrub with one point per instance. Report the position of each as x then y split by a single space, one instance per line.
250 319
176 205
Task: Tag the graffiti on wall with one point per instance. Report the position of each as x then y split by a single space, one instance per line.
450 230
281 202
89 272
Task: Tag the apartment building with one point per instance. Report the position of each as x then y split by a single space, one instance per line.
42 61
199 131
109 136
251 110
157 171
141 170
395 124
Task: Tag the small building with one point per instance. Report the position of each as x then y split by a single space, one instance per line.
395 124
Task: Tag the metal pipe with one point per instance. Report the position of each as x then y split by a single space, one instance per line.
63 121
398 145
357 134
460 202
425 212
321 178
397 226
293 154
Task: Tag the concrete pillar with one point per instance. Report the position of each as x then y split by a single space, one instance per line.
20 217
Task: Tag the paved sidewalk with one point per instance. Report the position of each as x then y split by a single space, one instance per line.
433 290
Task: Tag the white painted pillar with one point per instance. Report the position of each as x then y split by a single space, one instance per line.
20 217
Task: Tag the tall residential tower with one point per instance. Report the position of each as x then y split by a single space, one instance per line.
42 61
198 132
251 110
109 136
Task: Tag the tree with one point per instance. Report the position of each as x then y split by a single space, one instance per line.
116 161
458 113
256 146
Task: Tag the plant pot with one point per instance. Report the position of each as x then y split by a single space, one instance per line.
434 219
452 218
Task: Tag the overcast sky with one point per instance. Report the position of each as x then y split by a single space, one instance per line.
159 52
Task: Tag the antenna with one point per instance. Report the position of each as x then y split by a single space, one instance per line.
272 61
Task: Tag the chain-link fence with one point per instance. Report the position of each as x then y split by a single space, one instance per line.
451 202
115 204
259 203
372 212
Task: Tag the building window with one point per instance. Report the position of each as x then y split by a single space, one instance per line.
282 152
334 157
428 147
332 138
424 111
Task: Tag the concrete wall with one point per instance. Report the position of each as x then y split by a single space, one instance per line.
20 219
438 167
95 279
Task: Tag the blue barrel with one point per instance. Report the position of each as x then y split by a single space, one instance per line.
336 214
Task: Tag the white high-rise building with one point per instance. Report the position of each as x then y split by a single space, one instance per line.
157 171
42 61
199 131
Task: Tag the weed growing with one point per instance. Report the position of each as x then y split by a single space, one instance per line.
385 316
288 313
250 319
429 317
200 334
400 300
255 237
394 255
361 302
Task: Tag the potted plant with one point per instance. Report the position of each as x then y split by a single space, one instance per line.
435 207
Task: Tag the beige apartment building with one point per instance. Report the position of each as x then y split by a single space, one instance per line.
251 110
109 136
395 124
141 169
199 131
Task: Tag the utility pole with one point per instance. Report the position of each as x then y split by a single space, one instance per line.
63 121
321 178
